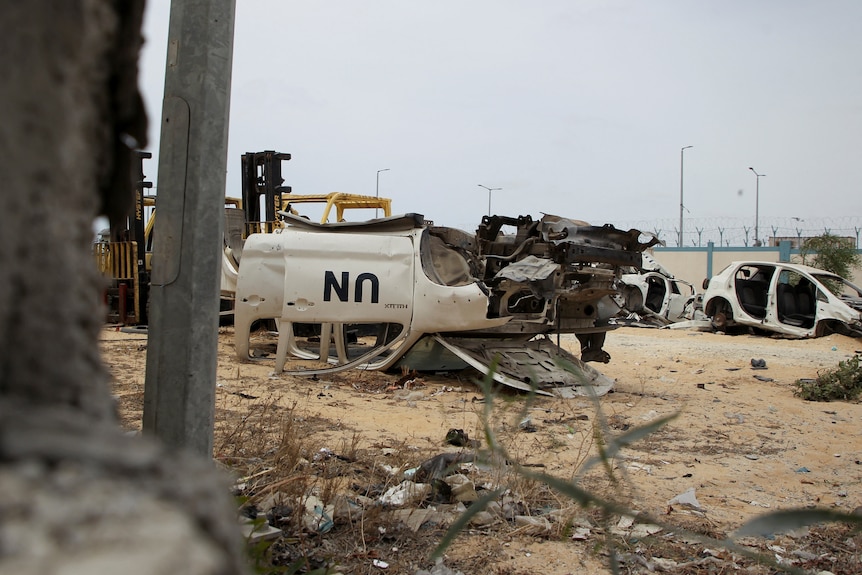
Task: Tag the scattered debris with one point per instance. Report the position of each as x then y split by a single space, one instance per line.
405 493
461 488
409 379
254 531
530 525
318 518
527 426
279 515
427 519
441 465
686 499
439 569
459 438
641 530
581 533
408 395
694 324
632 465
758 363
414 518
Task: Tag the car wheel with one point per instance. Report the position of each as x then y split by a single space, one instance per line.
722 316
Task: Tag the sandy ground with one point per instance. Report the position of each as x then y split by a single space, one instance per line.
746 445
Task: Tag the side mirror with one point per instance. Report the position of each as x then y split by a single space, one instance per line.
705 283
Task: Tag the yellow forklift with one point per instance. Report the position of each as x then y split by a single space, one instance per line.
123 256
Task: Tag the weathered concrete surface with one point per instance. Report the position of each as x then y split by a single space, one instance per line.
77 495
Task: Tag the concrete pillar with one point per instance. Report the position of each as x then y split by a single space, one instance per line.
179 395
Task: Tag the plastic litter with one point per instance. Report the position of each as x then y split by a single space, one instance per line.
317 517
404 493
686 499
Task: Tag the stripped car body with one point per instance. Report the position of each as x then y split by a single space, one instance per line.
655 296
401 292
790 299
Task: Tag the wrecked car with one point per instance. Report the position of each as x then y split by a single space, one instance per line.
399 292
789 299
655 296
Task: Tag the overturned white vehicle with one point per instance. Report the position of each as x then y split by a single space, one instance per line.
789 299
398 292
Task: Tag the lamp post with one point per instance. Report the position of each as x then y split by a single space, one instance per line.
681 204
756 205
377 189
489 196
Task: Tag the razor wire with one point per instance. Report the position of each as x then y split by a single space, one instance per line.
740 232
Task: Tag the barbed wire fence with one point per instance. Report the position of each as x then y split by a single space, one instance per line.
740 232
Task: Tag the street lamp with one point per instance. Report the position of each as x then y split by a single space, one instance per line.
377 190
681 205
489 196
756 206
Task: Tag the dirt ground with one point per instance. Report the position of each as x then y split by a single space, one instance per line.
740 439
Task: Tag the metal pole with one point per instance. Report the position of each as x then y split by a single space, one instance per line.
179 392
489 196
377 192
756 205
757 211
681 204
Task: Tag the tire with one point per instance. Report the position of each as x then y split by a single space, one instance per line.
722 318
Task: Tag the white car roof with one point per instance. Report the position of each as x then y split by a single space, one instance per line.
799 267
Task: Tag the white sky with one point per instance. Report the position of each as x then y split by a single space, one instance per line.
572 107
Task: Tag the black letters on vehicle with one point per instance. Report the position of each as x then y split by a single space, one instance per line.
330 284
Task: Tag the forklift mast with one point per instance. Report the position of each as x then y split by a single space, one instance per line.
137 223
261 180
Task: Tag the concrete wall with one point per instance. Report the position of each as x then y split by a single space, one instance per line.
695 264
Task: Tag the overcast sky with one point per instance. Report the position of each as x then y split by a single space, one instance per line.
573 107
